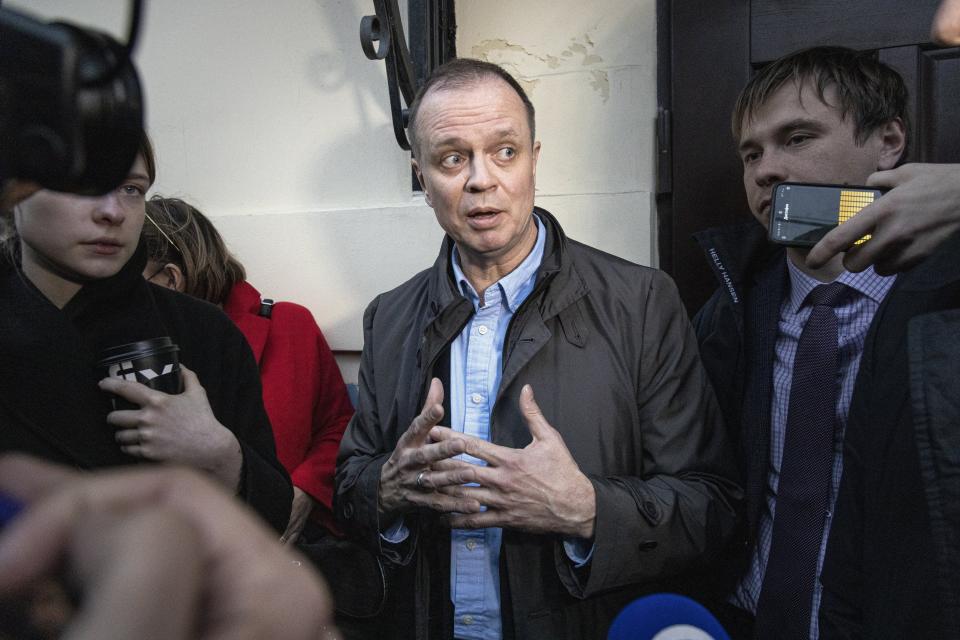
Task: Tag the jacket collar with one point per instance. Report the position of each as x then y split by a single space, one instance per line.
242 306
448 310
557 269
120 286
566 284
738 253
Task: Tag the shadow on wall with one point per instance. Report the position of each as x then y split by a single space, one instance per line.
344 159
356 232
361 166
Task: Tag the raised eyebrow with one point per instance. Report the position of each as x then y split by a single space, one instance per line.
454 141
507 133
445 143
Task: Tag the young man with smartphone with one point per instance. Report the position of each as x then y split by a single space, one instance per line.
892 568
781 341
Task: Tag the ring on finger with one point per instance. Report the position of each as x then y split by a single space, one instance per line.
420 484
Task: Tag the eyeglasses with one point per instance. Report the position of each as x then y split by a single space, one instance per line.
165 237
163 233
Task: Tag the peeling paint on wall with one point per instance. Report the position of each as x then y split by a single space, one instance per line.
528 85
582 48
579 53
601 84
484 49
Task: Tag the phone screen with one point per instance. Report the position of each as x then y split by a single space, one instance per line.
801 214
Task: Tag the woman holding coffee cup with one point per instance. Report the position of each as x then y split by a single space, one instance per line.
72 289
303 390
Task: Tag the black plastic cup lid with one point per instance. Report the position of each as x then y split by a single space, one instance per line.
139 349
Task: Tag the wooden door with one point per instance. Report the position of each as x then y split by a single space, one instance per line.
707 52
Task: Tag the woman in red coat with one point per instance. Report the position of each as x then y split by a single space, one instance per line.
303 391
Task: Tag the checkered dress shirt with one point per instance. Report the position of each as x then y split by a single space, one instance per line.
853 321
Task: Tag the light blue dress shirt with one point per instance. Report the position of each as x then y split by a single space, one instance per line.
853 320
476 364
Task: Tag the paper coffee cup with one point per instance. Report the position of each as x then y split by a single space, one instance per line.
154 363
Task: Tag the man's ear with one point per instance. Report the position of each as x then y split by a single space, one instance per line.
536 157
893 142
423 185
172 277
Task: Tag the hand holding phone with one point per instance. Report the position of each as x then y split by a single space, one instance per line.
802 213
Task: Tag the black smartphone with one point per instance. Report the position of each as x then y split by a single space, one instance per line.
802 213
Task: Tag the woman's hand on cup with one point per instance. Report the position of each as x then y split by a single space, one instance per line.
177 428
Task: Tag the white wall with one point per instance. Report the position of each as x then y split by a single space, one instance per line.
268 117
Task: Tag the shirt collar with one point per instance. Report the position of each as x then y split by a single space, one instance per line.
516 285
867 283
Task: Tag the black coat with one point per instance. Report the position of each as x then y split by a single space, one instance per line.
737 332
892 568
51 407
608 349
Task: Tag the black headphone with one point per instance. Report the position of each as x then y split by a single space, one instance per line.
71 108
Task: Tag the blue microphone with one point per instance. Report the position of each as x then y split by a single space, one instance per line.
665 616
9 509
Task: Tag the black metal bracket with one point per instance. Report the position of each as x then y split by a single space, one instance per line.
433 39
382 38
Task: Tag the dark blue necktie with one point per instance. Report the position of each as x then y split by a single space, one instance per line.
803 492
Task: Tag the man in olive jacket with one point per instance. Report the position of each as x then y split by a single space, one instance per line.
525 517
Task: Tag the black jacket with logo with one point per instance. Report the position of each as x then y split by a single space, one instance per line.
737 332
